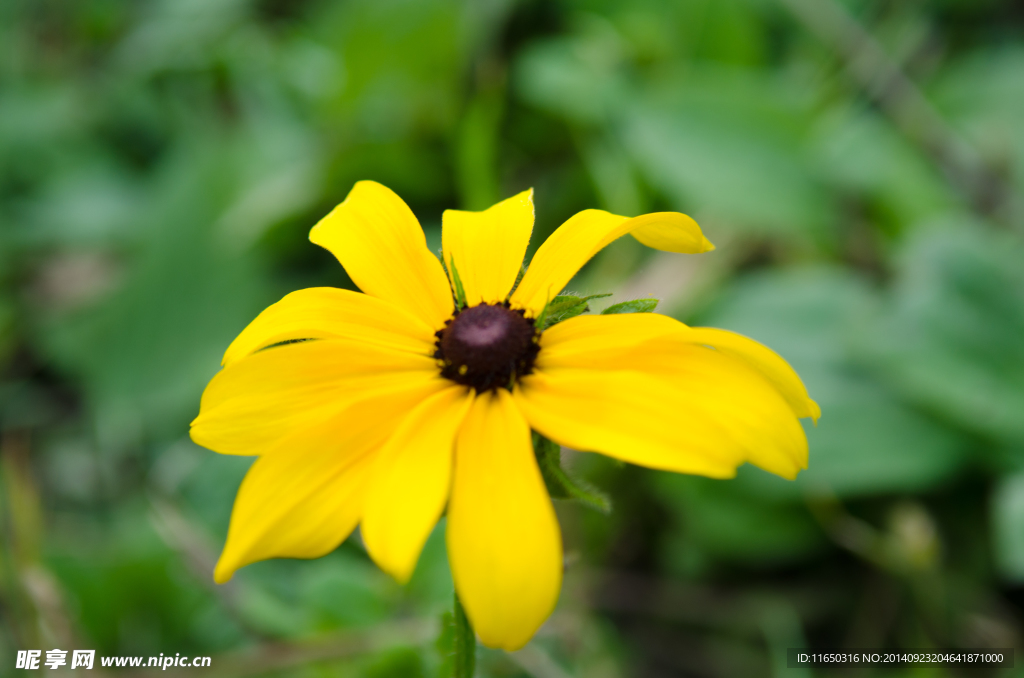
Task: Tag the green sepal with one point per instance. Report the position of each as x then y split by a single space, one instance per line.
634 306
457 288
565 306
559 483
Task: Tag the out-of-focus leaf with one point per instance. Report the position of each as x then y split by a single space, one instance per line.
712 144
273 616
1008 527
633 306
950 335
344 589
578 77
867 441
430 587
179 35
145 354
862 153
91 206
6 327
727 140
398 663
401 62
477 148
131 593
984 95
206 481
722 522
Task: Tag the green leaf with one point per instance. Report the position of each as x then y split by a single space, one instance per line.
562 307
565 306
948 334
559 483
634 306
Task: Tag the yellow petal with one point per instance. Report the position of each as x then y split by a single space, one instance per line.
751 411
727 397
252 404
327 312
410 482
609 336
378 240
631 416
765 361
585 234
488 247
504 544
605 335
300 501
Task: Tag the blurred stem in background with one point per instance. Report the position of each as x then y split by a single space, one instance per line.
31 597
910 549
23 528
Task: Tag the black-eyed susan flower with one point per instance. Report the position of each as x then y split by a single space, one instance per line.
419 394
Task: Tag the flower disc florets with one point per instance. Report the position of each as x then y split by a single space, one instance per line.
487 346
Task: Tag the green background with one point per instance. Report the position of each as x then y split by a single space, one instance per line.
860 166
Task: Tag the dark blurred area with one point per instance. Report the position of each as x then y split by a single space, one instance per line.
859 165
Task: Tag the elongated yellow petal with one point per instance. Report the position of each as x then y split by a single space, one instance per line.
767 362
602 335
378 240
300 501
749 408
328 312
504 544
607 337
410 482
586 234
727 390
631 416
488 247
252 404
717 399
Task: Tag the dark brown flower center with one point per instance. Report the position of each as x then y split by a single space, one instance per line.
487 346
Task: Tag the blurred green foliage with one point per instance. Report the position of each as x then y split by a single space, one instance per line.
860 166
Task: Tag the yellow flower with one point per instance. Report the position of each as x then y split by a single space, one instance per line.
403 406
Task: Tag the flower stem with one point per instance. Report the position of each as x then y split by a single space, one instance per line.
465 643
